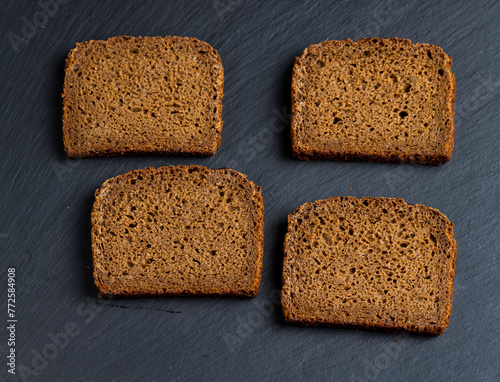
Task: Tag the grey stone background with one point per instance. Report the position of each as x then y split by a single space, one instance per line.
65 333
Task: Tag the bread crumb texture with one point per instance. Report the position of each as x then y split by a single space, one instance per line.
374 263
178 230
142 95
384 100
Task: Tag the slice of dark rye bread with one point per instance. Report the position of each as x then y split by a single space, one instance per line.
375 263
142 95
384 100
185 230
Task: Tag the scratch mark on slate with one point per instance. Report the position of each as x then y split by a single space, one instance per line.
140 308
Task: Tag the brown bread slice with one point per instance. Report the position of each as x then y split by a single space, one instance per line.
375 99
369 263
178 230
142 95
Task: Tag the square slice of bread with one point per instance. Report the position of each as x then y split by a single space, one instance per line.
375 263
185 230
384 100
142 95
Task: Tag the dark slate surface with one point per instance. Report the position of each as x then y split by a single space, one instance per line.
46 198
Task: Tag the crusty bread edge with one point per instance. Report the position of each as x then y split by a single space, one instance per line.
66 119
288 255
296 118
253 289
